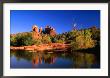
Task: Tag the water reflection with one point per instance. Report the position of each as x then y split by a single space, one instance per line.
39 58
84 60
25 59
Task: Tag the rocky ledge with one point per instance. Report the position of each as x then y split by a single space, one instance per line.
43 47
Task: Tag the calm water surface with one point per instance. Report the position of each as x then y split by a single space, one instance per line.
26 59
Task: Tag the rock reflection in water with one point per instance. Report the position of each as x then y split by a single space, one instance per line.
39 58
54 60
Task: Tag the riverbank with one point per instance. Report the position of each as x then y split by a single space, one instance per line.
43 47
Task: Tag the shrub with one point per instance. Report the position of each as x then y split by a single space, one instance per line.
37 42
22 39
60 41
83 40
46 39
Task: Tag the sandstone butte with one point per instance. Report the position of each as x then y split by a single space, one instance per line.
37 35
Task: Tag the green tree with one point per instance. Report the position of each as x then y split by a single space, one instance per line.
22 39
46 39
60 41
12 40
37 42
83 40
89 42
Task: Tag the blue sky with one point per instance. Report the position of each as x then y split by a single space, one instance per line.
61 20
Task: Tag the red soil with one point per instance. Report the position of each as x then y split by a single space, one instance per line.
42 47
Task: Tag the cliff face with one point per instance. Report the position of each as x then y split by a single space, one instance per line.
49 30
37 32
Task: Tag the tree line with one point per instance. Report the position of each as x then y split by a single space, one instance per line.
78 39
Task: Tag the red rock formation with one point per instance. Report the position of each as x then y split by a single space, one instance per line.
52 32
49 30
35 34
40 30
43 47
35 28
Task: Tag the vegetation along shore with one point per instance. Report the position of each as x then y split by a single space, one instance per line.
48 39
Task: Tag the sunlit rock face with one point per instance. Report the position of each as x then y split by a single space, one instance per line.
38 31
52 32
35 32
49 30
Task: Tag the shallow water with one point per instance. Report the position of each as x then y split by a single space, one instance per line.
26 59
